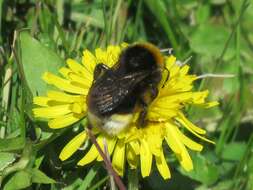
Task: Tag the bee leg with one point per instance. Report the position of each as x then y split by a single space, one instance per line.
144 101
142 117
154 92
144 104
99 69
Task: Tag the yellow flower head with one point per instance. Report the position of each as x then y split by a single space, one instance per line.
137 146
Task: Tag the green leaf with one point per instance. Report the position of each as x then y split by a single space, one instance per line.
88 178
14 122
226 167
231 85
38 161
99 183
12 144
1 6
95 18
19 180
218 2
202 14
74 185
39 177
177 182
158 9
234 151
204 170
188 4
210 40
223 185
6 159
36 60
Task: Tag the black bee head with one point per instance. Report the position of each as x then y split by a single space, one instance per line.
138 58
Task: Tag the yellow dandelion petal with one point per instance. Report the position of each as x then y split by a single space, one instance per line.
165 109
89 157
112 55
64 97
174 71
131 134
176 85
86 78
52 111
193 131
145 158
101 56
188 142
132 158
184 70
170 61
153 145
76 67
154 139
155 117
135 146
173 100
181 97
89 61
161 114
110 142
114 50
189 124
162 165
172 139
41 101
65 72
118 160
199 97
100 139
81 81
73 146
64 120
185 160
178 147
63 84
77 108
210 104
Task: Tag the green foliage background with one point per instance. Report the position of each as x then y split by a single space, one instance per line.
38 35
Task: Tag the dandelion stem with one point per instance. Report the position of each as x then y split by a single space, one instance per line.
108 164
112 183
208 75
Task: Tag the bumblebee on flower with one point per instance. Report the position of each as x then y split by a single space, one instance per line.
134 124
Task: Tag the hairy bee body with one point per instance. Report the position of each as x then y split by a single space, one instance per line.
129 85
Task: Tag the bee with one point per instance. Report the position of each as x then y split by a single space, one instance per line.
130 85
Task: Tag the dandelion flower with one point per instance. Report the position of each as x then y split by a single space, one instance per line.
135 146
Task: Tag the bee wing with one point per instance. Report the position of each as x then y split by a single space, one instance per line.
110 92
